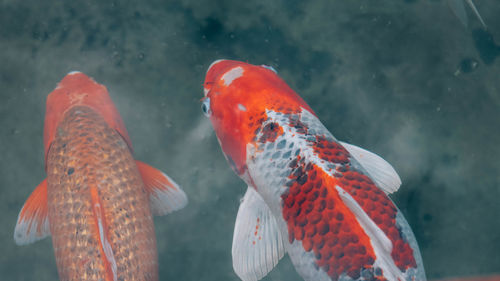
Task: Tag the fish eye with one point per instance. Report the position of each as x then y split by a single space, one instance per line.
205 107
270 68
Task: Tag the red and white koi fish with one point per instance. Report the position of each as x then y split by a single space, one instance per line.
97 201
322 201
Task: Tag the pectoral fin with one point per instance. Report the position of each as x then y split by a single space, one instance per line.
33 222
165 196
380 171
257 241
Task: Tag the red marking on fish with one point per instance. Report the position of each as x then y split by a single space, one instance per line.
373 201
317 217
270 132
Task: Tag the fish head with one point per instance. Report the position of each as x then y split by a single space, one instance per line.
77 89
237 98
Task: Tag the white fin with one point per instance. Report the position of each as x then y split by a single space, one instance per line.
473 7
165 196
381 244
167 200
257 241
33 221
380 171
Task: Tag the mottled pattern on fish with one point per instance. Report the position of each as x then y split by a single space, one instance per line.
297 164
339 222
88 156
373 201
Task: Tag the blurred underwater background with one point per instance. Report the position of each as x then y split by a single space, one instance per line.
404 79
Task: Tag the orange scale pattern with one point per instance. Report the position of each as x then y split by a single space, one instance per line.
89 162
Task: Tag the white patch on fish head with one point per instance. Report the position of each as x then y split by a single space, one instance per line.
241 107
231 75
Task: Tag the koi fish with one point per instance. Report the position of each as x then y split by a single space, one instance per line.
322 201
97 202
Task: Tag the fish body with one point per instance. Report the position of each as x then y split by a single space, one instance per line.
97 201
322 201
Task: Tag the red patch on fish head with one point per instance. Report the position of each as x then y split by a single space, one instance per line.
77 89
238 95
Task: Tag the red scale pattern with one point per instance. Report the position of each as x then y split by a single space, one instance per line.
300 127
373 201
317 217
270 132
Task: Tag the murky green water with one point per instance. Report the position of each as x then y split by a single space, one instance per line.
380 74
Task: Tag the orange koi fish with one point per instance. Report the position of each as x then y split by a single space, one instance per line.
322 201
97 202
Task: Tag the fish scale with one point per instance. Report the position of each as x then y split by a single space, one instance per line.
330 232
86 152
97 200
313 212
311 207
373 201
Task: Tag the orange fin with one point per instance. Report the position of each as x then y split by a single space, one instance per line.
33 221
165 196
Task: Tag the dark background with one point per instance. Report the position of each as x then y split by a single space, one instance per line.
394 77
